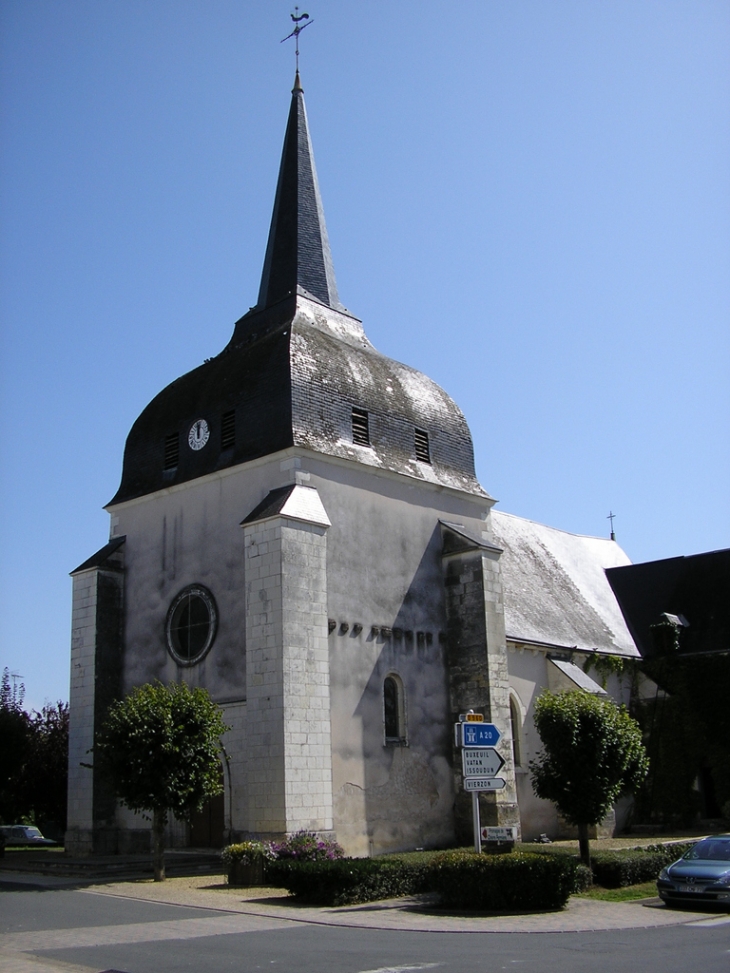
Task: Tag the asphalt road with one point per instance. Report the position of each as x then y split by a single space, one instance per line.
85 931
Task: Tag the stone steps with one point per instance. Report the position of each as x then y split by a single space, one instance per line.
112 866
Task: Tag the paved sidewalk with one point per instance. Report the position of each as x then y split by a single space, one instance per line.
416 914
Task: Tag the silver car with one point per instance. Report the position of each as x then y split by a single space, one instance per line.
701 876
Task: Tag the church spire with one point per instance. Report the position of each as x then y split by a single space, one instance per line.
298 258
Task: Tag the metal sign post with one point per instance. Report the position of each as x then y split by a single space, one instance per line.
480 762
477 823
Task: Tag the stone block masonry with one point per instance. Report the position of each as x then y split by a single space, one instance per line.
289 759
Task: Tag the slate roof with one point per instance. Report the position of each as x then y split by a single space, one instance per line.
555 588
457 540
575 678
298 257
296 501
296 366
102 557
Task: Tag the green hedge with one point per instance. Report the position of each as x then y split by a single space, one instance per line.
465 880
617 869
493 883
347 881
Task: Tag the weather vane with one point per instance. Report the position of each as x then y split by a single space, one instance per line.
610 517
298 28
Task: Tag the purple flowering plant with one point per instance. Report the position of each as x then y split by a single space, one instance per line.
305 846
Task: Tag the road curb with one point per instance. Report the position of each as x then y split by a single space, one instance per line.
414 914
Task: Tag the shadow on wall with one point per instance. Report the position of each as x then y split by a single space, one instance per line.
404 711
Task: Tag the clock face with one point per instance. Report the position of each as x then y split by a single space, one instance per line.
199 434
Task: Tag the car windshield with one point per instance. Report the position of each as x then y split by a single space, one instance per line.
713 849
33 833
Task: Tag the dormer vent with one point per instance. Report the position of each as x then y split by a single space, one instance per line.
228 429
360 427
423 451
172 451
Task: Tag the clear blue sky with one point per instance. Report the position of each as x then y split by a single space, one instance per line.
529 200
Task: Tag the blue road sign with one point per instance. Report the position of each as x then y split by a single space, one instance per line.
479 735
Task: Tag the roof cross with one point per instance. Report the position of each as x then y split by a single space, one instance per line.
298 28
611 517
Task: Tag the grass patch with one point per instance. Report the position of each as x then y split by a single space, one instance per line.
33 850
415 857
629 893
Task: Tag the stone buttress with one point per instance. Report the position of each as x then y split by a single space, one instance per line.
96 664
477 666
287 665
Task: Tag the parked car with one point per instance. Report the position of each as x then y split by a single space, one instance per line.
23 834
702 875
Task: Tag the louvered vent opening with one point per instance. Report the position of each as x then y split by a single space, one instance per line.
172 451
360 427
423 452
228 430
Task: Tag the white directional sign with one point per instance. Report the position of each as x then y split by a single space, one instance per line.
499 834
484 783
481 762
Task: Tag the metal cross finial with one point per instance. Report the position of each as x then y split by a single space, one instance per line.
610 517
298 28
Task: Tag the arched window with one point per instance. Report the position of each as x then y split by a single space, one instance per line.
516 725
393 710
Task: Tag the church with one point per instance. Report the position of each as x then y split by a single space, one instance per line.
300 531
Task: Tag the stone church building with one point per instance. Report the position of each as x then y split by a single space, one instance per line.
299 530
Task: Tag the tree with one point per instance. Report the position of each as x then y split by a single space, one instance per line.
15 733
160 748
33 760
593 752
45 773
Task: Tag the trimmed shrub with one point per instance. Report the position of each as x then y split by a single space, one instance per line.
617 869
517 881
583 874
346 881
583 878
